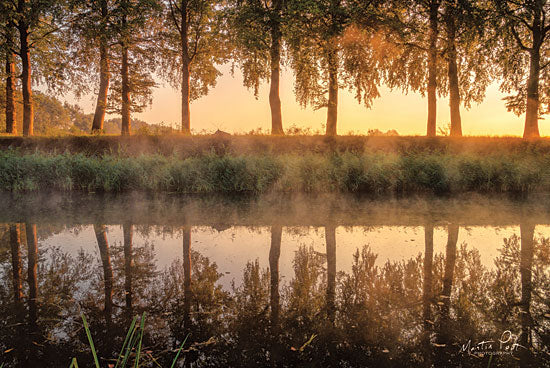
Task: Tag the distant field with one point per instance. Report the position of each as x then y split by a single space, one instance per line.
184 146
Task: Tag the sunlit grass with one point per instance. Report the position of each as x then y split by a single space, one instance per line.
372 173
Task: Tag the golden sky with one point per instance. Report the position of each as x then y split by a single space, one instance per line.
233 108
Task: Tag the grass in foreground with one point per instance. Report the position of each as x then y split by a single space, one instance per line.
372 173
132 344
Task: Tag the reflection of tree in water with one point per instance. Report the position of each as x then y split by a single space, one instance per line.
121 287
193 303
37 312
415 312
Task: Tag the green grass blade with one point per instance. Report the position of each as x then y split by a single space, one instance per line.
74 364
130 347
141 327
126 340
90 341
179 351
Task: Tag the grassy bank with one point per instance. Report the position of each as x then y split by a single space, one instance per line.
373 173
185 146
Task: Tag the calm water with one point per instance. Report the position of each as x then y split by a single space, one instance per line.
277 281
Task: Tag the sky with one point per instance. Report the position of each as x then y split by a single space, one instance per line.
232 108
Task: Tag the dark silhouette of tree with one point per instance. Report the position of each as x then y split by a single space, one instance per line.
103 245
93 31
194 42
525 270
427 290
128 267
187 292
8 49
39 25
258 34
15 244
32 262
444 328
330 239
274 295
317 28
136 27
466 51
522 58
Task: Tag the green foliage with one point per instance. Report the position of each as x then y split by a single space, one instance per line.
204 33
344 172
406 25
255 27
520 36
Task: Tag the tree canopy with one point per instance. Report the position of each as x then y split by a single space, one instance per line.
120 49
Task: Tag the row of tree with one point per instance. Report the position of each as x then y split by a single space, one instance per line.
453 48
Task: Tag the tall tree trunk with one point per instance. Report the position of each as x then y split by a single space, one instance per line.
104 77
274 255
126 124
452 73
103 245
104 74
525 270
32 261
432 69
128 266
11 127
330 239
15 245
187 294
531 129
185 72
26 82
332 112
185 97
275 55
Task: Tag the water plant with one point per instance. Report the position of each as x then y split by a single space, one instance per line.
132 344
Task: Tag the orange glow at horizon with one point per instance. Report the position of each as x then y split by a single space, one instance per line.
233 108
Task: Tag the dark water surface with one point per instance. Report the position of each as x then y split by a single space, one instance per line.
325 281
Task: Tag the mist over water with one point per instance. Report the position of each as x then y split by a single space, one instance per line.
371 282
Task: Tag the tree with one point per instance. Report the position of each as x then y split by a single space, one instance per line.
36 22
441 47
258 34
93 34
324 50
416 65
194 43
8 51
136 26
78 119
39 25
468 44
50 115
522 56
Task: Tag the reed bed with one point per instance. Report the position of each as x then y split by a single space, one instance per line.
373 173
